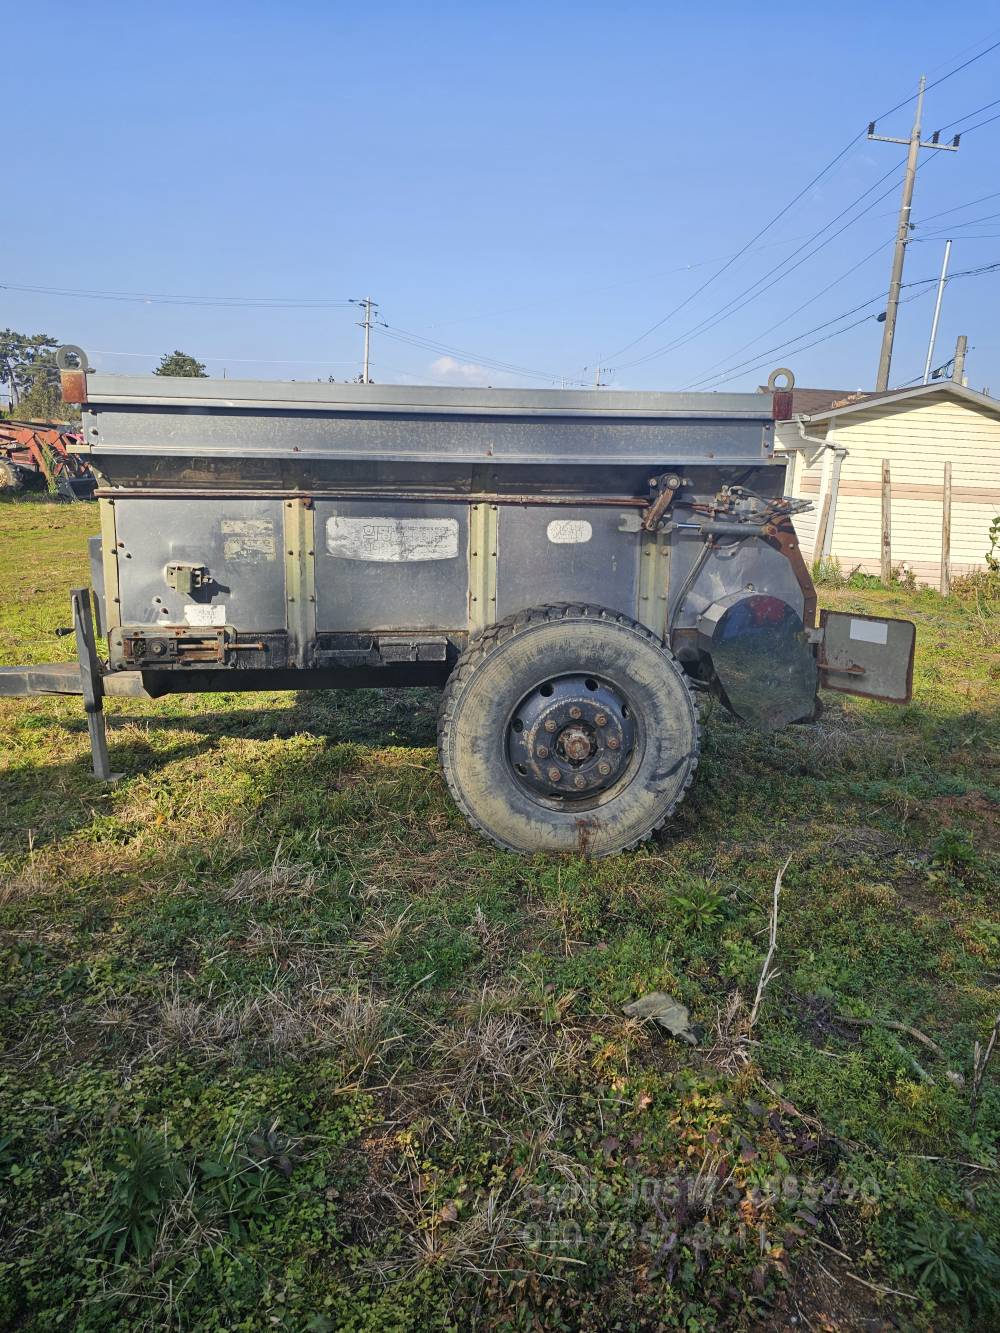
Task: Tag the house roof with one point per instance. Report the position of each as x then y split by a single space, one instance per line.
806 401
905 397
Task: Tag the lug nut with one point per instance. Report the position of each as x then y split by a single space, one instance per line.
601 720
554 775
550 724
613 742
575 712
542 752
579 780
604 769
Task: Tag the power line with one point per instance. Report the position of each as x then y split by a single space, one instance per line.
832 163
234 360
731 307
988 121
952 123
972 222
488 362
791 315
958 207
697 292
944 77
725 376
161 298
739 253
549 301
734 372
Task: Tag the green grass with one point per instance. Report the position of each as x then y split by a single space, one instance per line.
285 1045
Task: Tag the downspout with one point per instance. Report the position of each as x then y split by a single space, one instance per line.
828 508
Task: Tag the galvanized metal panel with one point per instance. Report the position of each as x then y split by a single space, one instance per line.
238 541
391 565
751 565
569 439
257 395
548 554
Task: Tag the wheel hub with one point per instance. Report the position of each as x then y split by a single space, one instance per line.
570 737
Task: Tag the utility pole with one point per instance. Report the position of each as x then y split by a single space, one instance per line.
958 370
914 144
937 311
371 313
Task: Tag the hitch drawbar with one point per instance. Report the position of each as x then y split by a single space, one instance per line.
84 677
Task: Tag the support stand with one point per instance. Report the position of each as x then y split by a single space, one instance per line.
91 678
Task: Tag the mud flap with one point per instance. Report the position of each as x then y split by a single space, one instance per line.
871 656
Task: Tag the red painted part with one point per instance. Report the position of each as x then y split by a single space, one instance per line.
26 443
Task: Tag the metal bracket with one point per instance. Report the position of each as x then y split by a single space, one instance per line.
664 489
185 577
91 679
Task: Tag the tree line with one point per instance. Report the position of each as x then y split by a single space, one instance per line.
29 376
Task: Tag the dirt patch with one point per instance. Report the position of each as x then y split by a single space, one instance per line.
821 1297
974 810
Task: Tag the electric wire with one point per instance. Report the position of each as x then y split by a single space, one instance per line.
952 123
958 207
738 255
161 298
927 284
737 303
488 362
791 315
819 176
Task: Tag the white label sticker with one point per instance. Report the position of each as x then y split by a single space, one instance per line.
869 631
202 614
392 540
569 531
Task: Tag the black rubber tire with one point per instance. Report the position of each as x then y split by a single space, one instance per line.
511 658
10 477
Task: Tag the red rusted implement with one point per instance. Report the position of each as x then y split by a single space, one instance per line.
34 455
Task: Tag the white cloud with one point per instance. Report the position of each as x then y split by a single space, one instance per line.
449 370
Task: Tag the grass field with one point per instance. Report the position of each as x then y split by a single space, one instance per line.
285 1045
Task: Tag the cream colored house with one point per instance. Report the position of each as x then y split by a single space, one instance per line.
838 454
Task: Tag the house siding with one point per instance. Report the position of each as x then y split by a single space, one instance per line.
917 437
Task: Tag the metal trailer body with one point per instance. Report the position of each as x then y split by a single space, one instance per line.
296 535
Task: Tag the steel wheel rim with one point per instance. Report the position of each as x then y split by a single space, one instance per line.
571 739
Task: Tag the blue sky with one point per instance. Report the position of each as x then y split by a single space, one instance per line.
525 184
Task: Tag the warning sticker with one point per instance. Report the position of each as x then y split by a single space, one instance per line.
202 614
392 540
248 541
869 631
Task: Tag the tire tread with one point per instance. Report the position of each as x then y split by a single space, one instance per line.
488 640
